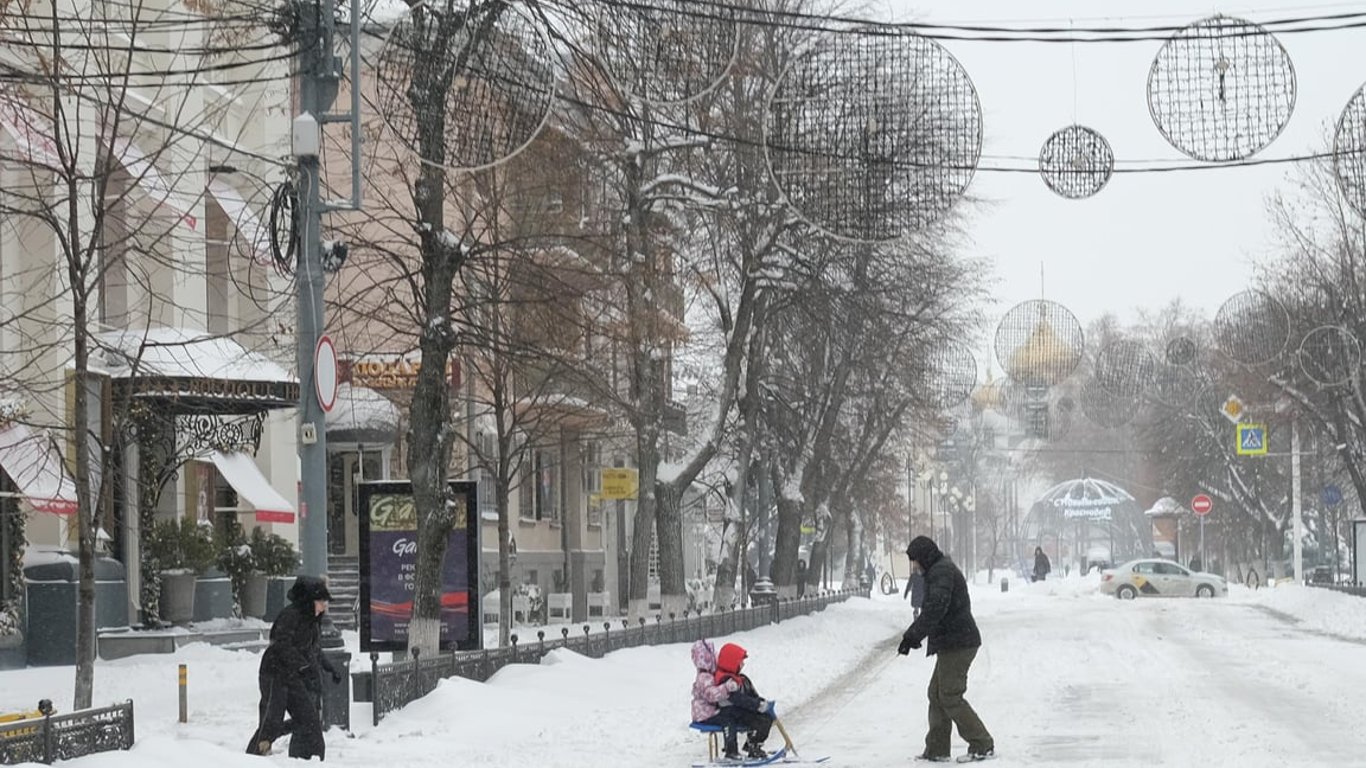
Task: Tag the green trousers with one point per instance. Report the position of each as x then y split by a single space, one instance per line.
948 707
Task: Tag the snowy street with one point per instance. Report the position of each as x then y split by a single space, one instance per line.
1066 677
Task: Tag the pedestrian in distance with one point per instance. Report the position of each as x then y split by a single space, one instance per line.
290 675
722 695
1041 564
947 628
915 587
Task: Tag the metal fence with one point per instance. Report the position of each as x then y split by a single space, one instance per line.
1357 590
63 737
396 684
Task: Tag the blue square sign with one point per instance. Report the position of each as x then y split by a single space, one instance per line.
1252 440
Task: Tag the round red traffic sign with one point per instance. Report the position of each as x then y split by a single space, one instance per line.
325 373
1202 504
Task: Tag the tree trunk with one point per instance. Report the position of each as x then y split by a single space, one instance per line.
728 564
641 534
503 494
85 600
429 438
669 530
788 541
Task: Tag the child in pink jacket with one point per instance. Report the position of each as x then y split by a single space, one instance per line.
723 703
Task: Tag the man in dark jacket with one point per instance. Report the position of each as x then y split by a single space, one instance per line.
946 622
1041 565
915 588
291 674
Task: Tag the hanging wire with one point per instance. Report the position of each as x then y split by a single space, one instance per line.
284 220
838 23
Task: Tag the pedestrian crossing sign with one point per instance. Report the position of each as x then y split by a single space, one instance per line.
1252 440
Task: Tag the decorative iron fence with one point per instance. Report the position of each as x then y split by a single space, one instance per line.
63 737
395 685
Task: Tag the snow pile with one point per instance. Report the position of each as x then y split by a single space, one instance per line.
1315 609
189 353
362 408
569 711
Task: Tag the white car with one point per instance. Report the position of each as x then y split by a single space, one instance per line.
1152 577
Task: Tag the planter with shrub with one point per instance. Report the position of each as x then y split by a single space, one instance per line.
272 556
181 551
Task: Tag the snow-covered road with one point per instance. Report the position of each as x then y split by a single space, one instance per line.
1085 681
1066 677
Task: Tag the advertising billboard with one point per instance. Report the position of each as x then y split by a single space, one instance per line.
388 568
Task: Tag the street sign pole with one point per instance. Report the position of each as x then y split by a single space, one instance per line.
1203 565
1295 499
1201 506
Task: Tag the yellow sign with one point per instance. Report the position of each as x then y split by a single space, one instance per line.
620 483
1233 409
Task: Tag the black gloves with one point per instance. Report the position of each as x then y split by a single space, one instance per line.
907 643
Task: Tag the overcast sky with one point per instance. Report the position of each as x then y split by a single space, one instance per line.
1145 238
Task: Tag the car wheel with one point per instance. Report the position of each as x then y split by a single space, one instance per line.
1204 590
1126 592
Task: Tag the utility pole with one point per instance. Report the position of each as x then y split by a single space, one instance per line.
1298 544
320 73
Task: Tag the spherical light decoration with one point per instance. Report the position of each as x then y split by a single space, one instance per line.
1105 408
464 92
1329 355
667 51
1076 162
1252 328
1221 89
952 373
1175 386
1039 343
873 137
1181 351
1125 367
1349 151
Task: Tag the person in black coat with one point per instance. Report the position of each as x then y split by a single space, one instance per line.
946 625
915 587
290 676
1041 564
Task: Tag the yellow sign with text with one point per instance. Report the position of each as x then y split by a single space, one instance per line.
620 483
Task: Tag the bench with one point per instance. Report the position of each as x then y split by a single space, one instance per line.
560 605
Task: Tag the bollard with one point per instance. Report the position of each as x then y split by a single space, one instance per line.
184 701
1005 584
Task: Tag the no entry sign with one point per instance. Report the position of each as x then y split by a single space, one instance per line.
1202 504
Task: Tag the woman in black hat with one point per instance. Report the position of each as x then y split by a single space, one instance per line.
290 674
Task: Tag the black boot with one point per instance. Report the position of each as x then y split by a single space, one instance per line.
755 751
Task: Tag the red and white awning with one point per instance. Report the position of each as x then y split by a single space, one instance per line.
240 471
31 460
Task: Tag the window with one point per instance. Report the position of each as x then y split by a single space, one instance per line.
216 279
487 446
1145 568
591 458
113 293
1171 569
547 485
